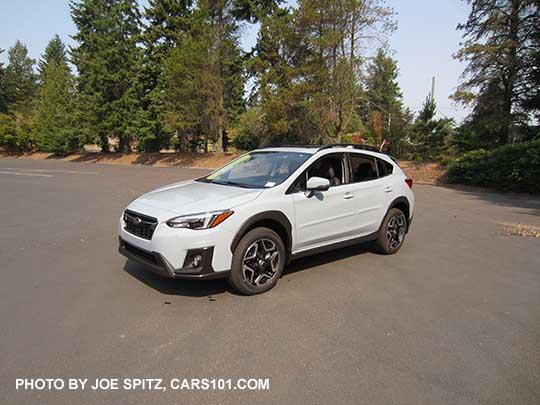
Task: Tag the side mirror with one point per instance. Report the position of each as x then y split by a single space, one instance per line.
317 184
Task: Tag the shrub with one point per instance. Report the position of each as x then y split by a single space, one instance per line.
247 134
508 168
8 132
17 131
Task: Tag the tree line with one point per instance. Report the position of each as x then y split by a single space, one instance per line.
173 75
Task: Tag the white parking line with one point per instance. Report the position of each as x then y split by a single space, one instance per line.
28 174
20 170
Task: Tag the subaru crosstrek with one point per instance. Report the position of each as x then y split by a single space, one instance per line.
250 218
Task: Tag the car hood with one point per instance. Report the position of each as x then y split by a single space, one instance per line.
192 197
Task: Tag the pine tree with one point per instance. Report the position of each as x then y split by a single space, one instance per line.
234 77
383 97
168 21
20 79
19 87
499 49
431 135
108 62
428 111
254 10
307 64
3 101
222 33
183 102
531 102
54 52
208 54
54 122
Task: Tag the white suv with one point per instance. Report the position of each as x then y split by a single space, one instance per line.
248 219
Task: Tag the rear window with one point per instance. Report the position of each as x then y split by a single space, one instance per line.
363 167
366 167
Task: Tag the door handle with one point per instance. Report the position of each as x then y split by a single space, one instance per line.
348 196
388 189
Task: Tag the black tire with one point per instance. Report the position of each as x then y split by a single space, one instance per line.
249 275
392 232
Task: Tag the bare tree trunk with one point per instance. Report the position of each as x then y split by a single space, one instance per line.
219 140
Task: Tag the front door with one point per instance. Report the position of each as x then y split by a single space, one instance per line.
328 216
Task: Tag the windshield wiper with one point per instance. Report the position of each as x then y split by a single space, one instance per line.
230 183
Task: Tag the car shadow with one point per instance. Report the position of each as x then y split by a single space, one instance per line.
321 259
169 286
211 288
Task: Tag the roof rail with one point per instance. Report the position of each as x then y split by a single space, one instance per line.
352 146
293 145
319 148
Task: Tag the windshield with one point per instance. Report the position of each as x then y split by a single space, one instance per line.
258 169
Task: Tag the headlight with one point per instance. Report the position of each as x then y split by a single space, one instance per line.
203 220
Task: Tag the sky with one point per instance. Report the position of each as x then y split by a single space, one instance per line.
423 43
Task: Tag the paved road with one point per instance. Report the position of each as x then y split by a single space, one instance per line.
454 318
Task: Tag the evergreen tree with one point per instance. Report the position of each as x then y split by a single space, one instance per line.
167 22
254 10
54 122
531 102
499 49
108 62
428 111
221 30
429 134
306 66
383 99
234 81
208 55
54 52
183 101
19 88
3 101
20 79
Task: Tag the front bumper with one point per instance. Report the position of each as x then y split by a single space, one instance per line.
166 251
158 264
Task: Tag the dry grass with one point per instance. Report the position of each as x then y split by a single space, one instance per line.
184 159
424 172
521 230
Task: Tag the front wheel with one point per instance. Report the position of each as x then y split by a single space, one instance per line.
258 262
392 232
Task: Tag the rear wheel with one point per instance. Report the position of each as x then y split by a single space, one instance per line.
258 262
392 232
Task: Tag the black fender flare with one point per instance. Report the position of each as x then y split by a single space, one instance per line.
276 216
405 201
398 200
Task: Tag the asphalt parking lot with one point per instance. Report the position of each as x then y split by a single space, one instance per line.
453 318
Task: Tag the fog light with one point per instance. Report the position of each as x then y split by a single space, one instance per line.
195 261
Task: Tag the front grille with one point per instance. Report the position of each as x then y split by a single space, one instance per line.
143 254
139 225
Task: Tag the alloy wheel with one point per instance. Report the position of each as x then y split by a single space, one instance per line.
260 263
395 231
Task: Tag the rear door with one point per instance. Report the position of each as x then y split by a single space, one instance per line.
372 190
326 216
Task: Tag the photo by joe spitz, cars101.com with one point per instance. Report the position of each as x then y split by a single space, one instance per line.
247 220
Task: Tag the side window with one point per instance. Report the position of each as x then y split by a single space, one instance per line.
331 167
363 167
384 167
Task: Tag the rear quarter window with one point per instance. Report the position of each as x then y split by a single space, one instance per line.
384 167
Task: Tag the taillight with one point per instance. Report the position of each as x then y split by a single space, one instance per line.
409 182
